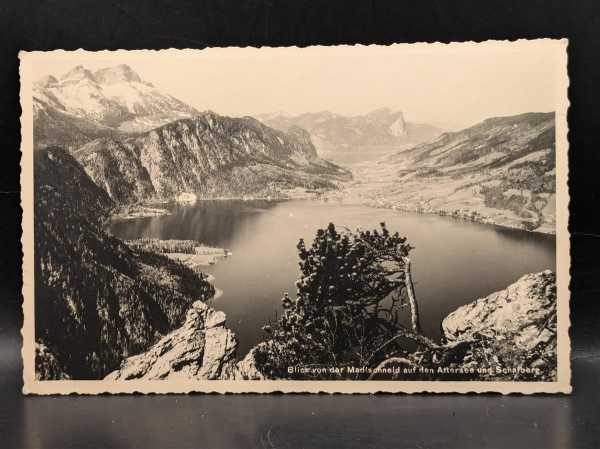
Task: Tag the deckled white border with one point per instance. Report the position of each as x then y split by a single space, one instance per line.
562 385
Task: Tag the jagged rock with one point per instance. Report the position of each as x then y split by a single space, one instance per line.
203 348
509 335
525 312
219 347
246 369
214 318
512 331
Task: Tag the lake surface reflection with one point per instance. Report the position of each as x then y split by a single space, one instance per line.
454 262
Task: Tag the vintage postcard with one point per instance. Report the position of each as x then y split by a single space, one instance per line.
350 219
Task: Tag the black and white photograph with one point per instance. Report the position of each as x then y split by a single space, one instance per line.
329 218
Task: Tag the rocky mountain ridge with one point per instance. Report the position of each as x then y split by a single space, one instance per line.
208 155
140 144
336 134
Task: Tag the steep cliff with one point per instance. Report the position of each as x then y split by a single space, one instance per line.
96 300
209 155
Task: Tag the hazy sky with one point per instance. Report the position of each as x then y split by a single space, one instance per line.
450 86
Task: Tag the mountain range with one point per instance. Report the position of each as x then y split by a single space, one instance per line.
140 144
500 171
208 155
81 104
337 136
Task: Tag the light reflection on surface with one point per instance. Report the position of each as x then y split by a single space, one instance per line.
293 421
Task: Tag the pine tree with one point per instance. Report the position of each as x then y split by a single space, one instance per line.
349 299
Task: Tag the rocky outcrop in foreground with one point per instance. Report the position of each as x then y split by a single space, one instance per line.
525 311
202 349
508 335
512 331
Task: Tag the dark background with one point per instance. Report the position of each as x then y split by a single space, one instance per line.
303 421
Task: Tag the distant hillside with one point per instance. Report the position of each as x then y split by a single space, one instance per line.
209 155
97 301
82 105
501 170
336 136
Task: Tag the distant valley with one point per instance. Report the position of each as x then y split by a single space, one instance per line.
500 171
348 139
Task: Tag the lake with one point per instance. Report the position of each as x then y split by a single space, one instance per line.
454 262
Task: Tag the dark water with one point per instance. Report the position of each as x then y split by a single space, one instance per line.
454 262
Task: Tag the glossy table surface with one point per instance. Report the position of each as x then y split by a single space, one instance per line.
303 421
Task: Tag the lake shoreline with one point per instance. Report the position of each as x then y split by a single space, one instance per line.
191 253
148 210
255 278
466 218
463 215
152 209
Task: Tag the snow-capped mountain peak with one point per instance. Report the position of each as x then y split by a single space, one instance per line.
114 97
117 74
77 73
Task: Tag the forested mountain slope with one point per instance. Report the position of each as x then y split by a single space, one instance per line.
97 301
210 155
